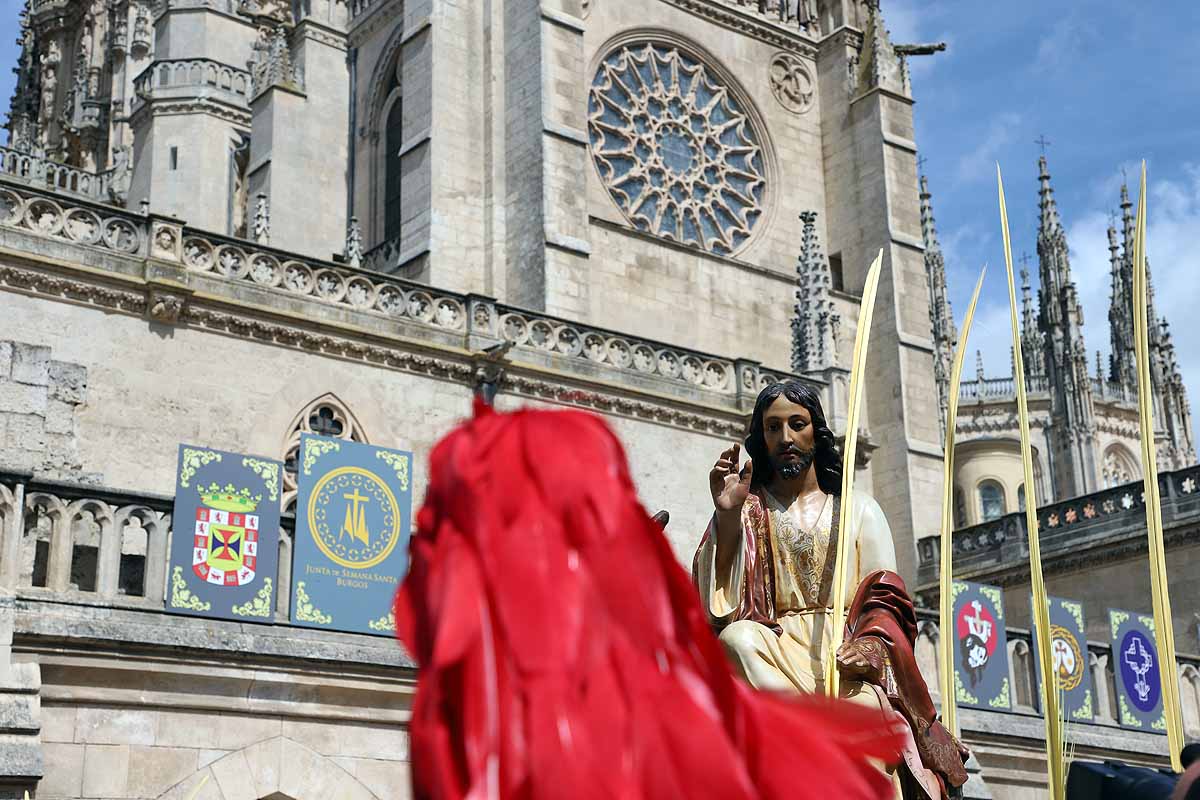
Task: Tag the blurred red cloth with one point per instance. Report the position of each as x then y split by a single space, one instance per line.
563 651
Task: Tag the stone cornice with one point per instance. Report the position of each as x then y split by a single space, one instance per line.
741 22
58 280
197 105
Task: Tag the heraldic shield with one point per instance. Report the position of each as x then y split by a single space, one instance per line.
226 568
1135 667
981 651
353 517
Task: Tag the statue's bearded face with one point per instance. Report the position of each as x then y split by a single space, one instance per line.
788 430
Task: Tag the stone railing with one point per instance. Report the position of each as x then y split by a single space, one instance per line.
1110 390
478 320
91 546
42 172
999 388
1065 527
190 74
1023 676
85 544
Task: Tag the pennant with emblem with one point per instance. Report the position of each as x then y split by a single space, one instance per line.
981 647
1069 655
1135 669
353 519
225 544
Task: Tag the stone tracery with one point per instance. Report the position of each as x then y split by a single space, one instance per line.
674 147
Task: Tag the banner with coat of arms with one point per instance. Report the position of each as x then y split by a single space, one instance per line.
1068 650
981 647
353 518
225 540
1135 667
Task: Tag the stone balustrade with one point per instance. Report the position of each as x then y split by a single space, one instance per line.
1023 677
39 171
189 74
1063 527
1000 388
73 543
91 546
475 321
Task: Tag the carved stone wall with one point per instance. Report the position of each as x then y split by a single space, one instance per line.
40 399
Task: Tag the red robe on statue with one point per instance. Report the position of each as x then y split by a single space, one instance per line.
563 651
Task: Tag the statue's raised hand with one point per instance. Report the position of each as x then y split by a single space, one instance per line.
730 486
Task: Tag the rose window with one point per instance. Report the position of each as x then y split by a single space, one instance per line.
675 149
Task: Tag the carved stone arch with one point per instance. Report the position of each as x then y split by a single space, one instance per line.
385 89
1119 466
273 769
385 76
326 415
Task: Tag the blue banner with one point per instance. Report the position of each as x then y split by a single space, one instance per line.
1135 667
225 540
353 519
981 651
1069 654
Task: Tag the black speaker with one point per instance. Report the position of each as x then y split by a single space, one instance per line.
1113 780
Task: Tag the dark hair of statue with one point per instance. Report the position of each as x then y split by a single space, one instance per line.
827 460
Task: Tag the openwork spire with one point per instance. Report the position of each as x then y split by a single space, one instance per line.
941 316
1122 360
1031 336
816 324
1073 436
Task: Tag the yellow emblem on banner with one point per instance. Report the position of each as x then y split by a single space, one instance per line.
354 517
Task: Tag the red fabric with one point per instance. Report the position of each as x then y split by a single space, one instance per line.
563 652
882 609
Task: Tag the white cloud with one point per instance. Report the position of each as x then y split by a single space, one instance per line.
980 162
991 332
1066 41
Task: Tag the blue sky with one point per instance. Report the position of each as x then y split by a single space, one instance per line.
1107 82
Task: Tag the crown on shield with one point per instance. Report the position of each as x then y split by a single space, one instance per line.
229 498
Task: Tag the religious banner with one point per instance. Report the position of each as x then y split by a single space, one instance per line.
353 518
981 651
225 541
1135 667
1068 651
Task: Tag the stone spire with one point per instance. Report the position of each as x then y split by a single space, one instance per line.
23 109
941 316
816 324
1180 449
1031 337
1172 414
1122 361
1073 436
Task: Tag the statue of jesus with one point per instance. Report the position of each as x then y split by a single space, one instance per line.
764 570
